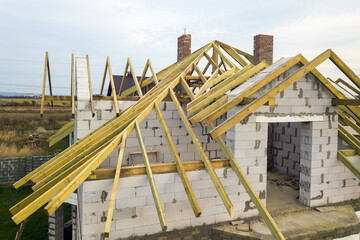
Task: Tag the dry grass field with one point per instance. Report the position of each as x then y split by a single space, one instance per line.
20 118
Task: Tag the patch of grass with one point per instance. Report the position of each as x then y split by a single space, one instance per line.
37 225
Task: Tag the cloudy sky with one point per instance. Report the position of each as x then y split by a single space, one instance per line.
149 29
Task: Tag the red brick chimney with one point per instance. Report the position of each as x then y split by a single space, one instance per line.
184 45
263 48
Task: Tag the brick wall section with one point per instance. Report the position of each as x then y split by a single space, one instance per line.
184 46
13 169
263 48
286 147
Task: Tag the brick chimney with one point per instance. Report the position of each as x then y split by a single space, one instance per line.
184 45
263 48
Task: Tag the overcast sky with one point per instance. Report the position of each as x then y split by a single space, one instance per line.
149 29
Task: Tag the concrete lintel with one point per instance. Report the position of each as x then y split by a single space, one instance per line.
306 118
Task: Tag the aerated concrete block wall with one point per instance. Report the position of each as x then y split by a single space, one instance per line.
307 103
286 147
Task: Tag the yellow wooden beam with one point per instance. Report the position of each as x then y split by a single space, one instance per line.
150 176
236 56
115 186
137 85
104 77
211 82
211 79
215 113
156 168
219 187
348 152
90 87
226 85
221 83
223 57
44 85
230 122
348 121
180 168
61 133
202 77
348 164
344 68
213 63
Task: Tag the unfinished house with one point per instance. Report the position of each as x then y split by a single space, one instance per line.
218 136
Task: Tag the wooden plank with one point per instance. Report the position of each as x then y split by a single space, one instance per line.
221 83
223 57
236 56
230 122
249 189
215 66
214 114
206 68
349 138
150 176
21 229
220 189
115 187
226 85
211 79
348 152
61 133
348 164
144 72
246 55
137 85
223 63
200 115
211 82
199 72
348 121
123 78
49 76
72 86
156 81
90 88
104 77
336 101
339 80
344 68
44 84
215 58
158 168
113 87
180 168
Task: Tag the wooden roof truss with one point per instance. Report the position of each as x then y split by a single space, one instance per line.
208 100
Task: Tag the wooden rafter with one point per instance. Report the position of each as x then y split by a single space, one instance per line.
149 174
46 70
112 84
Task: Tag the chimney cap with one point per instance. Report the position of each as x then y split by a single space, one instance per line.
186 31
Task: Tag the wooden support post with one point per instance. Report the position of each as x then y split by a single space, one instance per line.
113 87
149 174
104 77
72 87
219 187
90 87
179 166
115 186
137 85
44 85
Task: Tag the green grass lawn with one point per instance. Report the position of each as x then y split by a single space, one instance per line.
37 225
